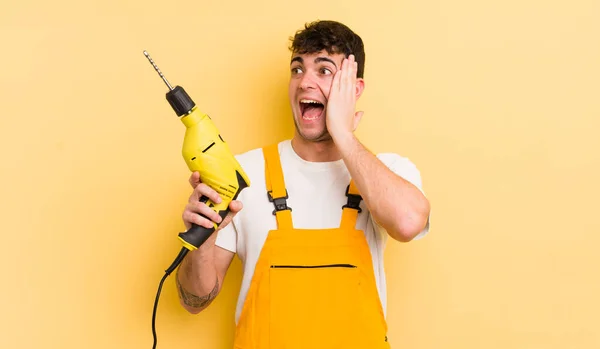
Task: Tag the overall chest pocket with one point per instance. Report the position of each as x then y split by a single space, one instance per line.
314 306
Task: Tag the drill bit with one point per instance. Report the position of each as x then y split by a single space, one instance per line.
157 70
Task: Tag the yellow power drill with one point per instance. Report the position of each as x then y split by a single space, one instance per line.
204 151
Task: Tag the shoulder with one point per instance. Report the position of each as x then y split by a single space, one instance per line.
249 155
251 160
402 166
397 161
254 158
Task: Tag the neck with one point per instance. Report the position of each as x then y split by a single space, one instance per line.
316 151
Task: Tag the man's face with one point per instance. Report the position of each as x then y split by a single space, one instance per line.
310 82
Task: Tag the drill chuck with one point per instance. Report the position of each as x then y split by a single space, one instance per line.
180 101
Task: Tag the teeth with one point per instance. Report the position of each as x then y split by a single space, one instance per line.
313 118
309 101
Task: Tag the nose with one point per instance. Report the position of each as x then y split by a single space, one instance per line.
307 82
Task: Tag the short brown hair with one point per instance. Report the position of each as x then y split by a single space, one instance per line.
332 36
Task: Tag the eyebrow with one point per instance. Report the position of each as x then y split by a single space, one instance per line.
317 60
325 59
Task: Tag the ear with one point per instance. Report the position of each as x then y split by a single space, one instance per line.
357 116
360 86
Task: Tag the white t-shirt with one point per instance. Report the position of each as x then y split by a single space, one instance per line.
316 195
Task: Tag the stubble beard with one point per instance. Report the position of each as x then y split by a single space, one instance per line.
324 136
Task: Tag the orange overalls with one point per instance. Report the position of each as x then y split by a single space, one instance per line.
311 288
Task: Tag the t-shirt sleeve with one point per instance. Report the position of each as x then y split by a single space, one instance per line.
406 169
227 237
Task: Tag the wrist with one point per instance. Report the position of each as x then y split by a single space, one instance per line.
344 141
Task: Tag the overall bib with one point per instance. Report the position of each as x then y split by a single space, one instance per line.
311 288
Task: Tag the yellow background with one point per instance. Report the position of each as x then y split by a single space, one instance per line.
496 102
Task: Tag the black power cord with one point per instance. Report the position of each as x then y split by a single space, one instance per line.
196 236
168 272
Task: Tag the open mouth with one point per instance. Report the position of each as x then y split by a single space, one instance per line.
311 109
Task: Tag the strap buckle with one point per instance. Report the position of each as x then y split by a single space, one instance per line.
280 203
353 201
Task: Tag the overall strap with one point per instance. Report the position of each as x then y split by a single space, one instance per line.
351 209
276 191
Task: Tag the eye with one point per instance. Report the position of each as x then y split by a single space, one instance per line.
296 70
326 71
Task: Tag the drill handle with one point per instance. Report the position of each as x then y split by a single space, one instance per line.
197 235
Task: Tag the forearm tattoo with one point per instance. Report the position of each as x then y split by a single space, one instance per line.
191 300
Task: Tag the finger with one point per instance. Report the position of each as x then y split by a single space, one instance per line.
352 71
340 80
349 74
194 218
350 67
345 80
353 77
235 206
203 189
345 72
201 208
194 179
335 83
349 63
227 220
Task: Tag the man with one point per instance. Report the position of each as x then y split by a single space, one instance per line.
316 217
